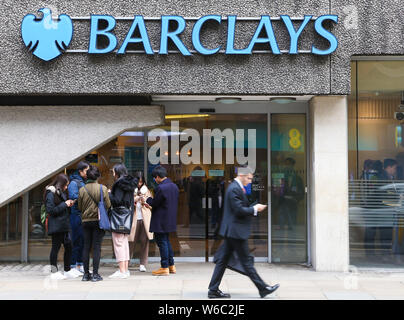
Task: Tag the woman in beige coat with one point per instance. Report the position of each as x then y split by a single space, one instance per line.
141 222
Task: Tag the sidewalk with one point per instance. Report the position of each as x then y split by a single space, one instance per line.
19 281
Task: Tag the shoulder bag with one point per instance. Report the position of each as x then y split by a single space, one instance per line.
103 219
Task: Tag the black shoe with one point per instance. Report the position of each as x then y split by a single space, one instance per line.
96 277
87 277
217 294
268 290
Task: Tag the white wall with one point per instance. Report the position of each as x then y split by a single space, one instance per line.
329 183
38 141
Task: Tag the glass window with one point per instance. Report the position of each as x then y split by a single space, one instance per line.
10 231
128 149
376 164
288 196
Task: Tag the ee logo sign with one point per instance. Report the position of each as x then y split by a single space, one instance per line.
294 138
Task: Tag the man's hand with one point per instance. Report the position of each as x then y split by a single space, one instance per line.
260 207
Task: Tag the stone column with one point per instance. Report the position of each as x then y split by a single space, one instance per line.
329 183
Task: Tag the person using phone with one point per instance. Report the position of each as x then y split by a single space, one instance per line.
141 222
236 229
57 204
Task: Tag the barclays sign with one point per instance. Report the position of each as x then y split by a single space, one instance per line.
48 38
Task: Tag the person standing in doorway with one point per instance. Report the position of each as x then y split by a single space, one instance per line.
141 222
77 181
89 197
164 218
56 206
236 229
122 194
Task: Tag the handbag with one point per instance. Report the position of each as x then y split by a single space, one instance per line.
103 219
121 220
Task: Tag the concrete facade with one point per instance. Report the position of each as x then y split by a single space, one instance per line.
39 141
329 183
364 28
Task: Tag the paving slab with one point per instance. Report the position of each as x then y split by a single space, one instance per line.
192 281
347 295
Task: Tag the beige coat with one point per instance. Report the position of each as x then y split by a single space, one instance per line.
146 213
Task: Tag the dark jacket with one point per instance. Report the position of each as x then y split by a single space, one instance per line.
237 214
76 182
59 219
123 192
164 207
86 204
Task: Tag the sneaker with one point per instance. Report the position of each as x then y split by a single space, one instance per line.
142 268
72 274
77 272
87 277
96 277
58 276
80 269
119 275
127 273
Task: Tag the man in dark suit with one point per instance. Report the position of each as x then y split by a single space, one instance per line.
164 218
236 229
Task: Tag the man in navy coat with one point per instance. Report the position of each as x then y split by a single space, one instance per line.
164 218
236 229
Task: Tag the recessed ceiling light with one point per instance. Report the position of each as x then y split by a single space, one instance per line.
229 100
283 100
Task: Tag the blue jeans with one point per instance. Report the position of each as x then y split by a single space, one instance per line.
166 251
77 240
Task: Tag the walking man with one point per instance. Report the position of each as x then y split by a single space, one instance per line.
236 229
164 218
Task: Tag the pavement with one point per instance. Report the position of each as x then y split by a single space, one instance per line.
31 282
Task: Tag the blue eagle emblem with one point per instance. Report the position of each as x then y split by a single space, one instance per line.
45 37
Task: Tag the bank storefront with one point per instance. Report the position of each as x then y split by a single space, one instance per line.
290 90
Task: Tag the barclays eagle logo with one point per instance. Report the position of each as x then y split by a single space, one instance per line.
45 37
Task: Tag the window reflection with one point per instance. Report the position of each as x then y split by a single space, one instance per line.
376 164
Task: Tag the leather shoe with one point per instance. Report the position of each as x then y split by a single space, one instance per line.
161 272
268 290
217 294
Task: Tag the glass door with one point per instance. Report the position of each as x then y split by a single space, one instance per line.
200 153
288 188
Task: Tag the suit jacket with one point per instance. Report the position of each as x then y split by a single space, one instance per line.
164 207
237 214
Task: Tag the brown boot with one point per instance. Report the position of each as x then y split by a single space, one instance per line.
161 272
172 269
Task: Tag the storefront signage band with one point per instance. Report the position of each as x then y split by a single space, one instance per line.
48 38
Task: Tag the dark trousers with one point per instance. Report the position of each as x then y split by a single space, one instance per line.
77 239
241 248
92 240
166 251
58 239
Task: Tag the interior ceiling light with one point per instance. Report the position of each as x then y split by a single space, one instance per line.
229 100
283 100
185 116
